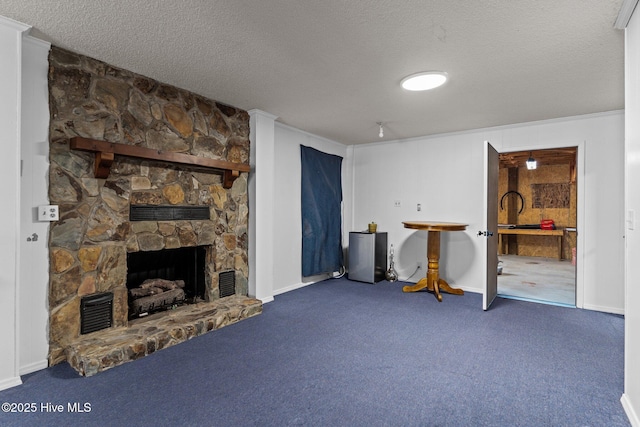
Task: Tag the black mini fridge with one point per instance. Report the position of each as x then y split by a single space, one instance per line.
367 256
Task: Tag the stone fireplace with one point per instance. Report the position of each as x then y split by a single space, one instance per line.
91 243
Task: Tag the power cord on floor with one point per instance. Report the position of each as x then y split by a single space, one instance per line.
341 273
414 273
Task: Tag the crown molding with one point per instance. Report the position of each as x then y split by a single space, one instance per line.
626 10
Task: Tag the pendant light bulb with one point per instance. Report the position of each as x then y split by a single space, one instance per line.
531 162
381 134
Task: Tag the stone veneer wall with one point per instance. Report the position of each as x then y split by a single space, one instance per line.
89 243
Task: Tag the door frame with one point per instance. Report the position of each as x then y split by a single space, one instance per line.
580 199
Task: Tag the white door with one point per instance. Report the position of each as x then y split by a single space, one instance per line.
33 287
490 232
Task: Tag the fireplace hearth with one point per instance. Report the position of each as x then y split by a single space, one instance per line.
102 350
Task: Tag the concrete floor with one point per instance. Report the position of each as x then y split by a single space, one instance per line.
538 279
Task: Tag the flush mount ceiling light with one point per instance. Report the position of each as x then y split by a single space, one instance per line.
424 81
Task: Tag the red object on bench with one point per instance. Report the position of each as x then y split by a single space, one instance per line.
547 224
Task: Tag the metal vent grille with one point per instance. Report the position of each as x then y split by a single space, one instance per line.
96 312
167 213
227 283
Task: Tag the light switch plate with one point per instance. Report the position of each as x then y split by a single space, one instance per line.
48 213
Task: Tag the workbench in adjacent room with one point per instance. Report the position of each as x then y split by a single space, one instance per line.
503 244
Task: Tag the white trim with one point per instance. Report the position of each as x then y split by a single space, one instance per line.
33 367
496 128
628 409
580 223
10 382
36 41
295 286
309 134
624 16
261 209
19 26
256 112
300 285
17 206
604 309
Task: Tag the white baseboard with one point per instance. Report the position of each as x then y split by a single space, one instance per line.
33 367
10 382
294 287
303 284
468 289
603 309
631 413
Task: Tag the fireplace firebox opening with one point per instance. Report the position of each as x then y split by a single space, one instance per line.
161 280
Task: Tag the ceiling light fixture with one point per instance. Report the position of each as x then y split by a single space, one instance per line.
381 134
424 81
531 162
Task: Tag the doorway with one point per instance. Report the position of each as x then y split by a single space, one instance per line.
537 217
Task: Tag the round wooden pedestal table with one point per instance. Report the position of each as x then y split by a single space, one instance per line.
432 282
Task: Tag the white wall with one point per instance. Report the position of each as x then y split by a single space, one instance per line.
631 397
444 173
33 309
10 76
287 219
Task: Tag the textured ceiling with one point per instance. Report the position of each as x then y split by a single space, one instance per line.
333 67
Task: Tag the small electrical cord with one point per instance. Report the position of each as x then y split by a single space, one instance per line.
414 273
341 273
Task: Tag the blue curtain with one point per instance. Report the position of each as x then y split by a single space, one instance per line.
321 212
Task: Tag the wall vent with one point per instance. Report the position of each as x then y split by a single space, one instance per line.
168 213
96 312
227 283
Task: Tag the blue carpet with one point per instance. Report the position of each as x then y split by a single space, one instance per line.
342 353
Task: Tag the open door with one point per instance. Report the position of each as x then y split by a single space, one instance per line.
490 232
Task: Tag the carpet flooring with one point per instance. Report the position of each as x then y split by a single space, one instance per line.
343 353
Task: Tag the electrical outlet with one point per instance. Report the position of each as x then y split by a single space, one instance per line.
396 203
48 213
419 265
419 207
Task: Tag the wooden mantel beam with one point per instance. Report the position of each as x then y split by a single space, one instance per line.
105 151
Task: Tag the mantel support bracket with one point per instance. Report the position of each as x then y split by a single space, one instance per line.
102 165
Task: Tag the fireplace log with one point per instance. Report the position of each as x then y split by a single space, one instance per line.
156 294
140 292
164 284
156 302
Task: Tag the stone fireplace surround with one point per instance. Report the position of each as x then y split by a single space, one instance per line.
89 244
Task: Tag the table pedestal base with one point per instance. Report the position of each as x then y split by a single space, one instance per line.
433 282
